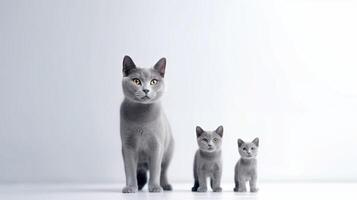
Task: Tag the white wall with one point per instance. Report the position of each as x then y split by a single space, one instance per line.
281 70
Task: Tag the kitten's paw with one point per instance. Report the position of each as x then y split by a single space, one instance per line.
235 189
242 190
130 189
217 189
254 189
167 187
155 188
202 189
194 189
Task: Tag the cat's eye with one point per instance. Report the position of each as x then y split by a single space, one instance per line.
215 139
205 139
153 82
252 148
136 81
244 149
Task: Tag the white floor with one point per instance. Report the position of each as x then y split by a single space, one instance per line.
273 191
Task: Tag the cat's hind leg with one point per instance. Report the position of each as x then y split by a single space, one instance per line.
236 182
236 188
195 176
141 175
195 186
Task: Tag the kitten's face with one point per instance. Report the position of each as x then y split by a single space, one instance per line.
209 141
143 85
248 150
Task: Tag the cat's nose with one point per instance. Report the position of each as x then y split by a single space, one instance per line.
146 91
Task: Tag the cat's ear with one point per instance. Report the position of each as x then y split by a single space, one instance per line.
160 66
219 131
240 142
128 65
199 131
256 142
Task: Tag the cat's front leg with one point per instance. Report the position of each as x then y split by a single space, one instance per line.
253 184
164 166
202 182
216 181
163 178
130 164
242 185
155 169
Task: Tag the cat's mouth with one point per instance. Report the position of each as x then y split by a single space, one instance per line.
145 97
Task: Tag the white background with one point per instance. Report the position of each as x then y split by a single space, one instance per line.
281 70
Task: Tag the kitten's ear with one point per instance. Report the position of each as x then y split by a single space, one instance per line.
199 131
160 66
128 65
256 142
219 131
240 142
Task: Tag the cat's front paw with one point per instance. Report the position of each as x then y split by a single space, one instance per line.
217 189
242 190
167 187
202 189
130 189
254 189
155 188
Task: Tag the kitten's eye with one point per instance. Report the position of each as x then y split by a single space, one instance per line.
244 149
153 82
252 148
205 140
215 139
136 81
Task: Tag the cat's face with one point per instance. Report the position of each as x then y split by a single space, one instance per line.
248 150
209 141
142 85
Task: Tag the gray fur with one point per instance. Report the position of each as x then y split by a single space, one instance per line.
147 142
246 168
208 161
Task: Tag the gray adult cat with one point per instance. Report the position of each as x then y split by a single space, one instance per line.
147 142
208 161
246 167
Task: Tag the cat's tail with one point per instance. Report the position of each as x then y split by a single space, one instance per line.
141 177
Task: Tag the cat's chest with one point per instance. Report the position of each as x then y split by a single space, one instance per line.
142 136
209 165
140 114
248 169
143 130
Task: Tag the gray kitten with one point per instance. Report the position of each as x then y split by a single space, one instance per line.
208 162
246 167
147 142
